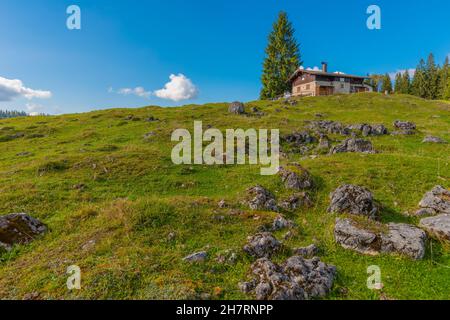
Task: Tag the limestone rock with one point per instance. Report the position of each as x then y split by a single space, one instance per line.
261 199
295 279
404 125
262 245
281 222
432 139
307 252
296 177
438 226
19 228
236 108
353 145
295 201
196 257
352 237
354 200
404 239
436 201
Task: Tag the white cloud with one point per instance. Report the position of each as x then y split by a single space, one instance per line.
11 89
138 91
179 88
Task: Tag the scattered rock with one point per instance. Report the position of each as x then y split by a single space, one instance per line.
281 222
404 239
89 245
262 245
330 127
432 139
353 145
307 252
19 228
299 138
295 279
24 154
151 119
236 108
196 257
436 201
222 204
354 200
149 135
296 177
403 133
438 226
261 199
31 296
324 143
295 201
226 257
171 236
404 125
352 237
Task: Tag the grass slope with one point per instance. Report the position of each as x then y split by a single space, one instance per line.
116 228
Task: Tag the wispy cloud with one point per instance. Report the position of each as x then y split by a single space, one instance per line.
179 88
402 71
138 91
11 89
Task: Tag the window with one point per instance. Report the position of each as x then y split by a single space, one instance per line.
342 86
342 79
308 87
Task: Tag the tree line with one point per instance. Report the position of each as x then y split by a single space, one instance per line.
12 114
430 81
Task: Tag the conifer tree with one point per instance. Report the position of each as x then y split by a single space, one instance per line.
444 81
399 88
431 78
282 59
387 84
406 83
419 83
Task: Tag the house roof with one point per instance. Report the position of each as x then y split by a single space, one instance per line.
340 75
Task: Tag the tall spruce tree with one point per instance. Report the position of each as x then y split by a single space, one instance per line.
282 59
431 78
387 84
398 87
406 83
444 81
419 83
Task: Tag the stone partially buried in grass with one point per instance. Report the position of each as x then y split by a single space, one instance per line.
354 200
350 236
295 279
438 226
258 198
19 228
436 201
353 145
404 239
296 177
262 245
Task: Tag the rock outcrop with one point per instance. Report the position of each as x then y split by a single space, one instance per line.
436 201
295 279
295 201
353 145
261 199
296 177
432 139
438 227
262 245
236 108
19 228
354 200
399 238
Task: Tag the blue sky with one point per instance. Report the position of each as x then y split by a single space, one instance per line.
217 44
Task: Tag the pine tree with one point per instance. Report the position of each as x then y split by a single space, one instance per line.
419 83
431 78
387 84
406 83
282 59
399 87
444 81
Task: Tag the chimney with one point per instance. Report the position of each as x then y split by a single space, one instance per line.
324 67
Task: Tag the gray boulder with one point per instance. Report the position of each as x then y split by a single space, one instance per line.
196 257
19 228
353 145
299 138
324 143
281 222
436 201
296 177
296 201
352 237
432 139
262 245
236 108
438 226
354 200
307 252
404 239
404 125
295 279
261 199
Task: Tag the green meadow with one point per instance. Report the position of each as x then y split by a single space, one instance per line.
111 198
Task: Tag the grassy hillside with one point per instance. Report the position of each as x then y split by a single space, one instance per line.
111 198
